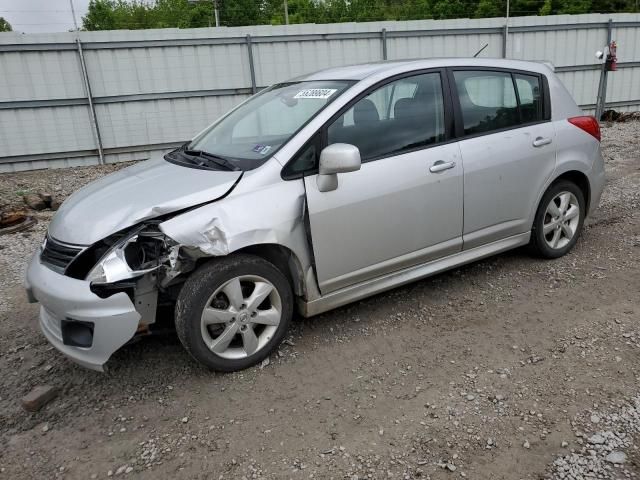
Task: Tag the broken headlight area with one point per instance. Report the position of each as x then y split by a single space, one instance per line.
141 252
126 255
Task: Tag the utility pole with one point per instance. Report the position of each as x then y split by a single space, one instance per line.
215 12
286 13
73 13
87 87
506 32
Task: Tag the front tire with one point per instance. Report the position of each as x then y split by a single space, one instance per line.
558 221
233 311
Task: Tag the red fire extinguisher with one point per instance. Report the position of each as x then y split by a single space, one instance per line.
611 64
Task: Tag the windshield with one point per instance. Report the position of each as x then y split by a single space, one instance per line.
258 128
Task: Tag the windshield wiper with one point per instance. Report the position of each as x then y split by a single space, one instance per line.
211 158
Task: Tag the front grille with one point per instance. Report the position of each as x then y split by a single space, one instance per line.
58 256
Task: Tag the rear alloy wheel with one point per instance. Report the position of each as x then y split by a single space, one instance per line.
232 312
558 220
561 220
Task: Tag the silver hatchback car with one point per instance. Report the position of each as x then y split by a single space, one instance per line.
315 193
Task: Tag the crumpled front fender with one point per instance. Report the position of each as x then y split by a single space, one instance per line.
272 214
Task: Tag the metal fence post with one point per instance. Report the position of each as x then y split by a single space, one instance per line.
251 65
505 37
602 84
383 34
92 110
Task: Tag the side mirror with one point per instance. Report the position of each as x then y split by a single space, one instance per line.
334 159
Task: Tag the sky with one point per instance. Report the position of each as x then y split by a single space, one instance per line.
34 16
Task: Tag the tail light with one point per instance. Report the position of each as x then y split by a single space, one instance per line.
587 123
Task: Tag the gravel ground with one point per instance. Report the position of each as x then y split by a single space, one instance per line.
509 368
16 249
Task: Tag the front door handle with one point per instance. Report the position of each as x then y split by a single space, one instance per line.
441 166
540 141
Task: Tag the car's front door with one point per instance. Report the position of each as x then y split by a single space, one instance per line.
508 150
404 206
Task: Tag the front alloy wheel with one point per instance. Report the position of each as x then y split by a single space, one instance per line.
241 317
233 311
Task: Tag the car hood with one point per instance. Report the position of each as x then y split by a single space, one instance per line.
128 196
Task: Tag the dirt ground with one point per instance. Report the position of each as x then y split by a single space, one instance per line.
498 370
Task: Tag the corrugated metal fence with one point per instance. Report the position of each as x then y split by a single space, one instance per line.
67 98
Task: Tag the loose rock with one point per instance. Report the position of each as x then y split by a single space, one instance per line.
39 397
616 458
34 201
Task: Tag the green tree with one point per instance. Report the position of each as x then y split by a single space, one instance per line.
547 7
443 9
300 11
5 26
575 6
602 6
136 14
235 13
182 14
555 7
336 11
414 10
367 10
490 8
106 15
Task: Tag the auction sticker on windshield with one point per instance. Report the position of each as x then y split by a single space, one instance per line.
316 93
261 149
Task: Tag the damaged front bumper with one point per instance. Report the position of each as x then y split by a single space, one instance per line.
86 328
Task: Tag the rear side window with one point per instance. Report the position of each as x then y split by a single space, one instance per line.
487 100
529 89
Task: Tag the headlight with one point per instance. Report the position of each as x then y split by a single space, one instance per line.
142 251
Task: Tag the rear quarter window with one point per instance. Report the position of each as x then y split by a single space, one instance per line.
530 95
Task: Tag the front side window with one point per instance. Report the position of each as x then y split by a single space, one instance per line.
399 116
256 130
487 100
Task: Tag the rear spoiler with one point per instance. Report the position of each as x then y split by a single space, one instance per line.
548 63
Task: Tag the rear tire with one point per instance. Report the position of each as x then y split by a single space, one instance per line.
558 221
232 312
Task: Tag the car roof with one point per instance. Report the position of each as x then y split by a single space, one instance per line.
393 67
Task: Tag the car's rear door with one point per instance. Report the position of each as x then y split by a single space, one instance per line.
404 206
507 146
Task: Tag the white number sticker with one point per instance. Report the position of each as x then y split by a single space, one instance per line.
316 93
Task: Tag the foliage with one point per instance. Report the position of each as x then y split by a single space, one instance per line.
5 26
138 14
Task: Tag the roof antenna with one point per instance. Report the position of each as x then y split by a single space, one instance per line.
480 51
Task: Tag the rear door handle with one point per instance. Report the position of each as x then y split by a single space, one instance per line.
441 166
541 141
